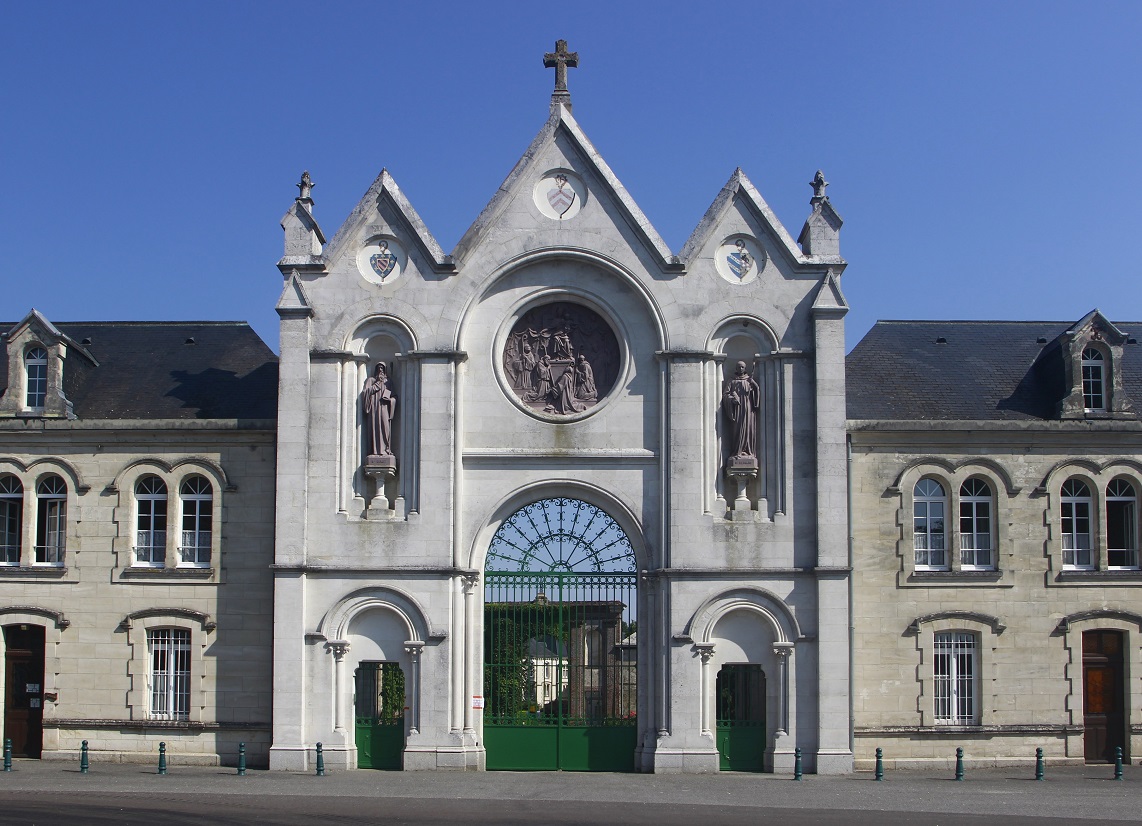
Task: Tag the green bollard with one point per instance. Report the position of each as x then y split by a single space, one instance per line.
320 762
84 764
1118 762
7 755
1038 764
797 763
162 758
241 759
959 764
879 764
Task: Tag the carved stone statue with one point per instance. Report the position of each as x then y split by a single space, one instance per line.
380 406
585 388
741 402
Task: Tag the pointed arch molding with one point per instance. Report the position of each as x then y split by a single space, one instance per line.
1098 614
54 463
199 462
952 467
997 625
57 617
335 624
1088 465
700 627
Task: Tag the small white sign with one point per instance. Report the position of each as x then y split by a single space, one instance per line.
477 702
31 688
34 703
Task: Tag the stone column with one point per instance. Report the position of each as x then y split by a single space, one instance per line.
412 685
706 652
338 648
471 582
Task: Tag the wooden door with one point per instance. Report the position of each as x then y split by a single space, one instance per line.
24 689
1103 712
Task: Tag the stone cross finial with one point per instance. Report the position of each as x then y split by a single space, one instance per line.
306 186
818 183
559 60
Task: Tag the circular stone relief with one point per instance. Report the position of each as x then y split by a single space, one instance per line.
382 259
561 359
740 259
560 194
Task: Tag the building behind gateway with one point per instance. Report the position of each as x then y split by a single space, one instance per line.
566 499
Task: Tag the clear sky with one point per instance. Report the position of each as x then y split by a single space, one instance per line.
986 156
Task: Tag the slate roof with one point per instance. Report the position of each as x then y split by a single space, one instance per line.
148 370
986 370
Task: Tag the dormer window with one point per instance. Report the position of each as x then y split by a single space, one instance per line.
1094 392
36 365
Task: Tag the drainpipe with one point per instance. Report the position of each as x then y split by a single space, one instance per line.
852 627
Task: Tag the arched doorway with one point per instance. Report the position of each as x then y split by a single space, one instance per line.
560 641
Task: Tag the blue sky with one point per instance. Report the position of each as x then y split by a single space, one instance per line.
985 156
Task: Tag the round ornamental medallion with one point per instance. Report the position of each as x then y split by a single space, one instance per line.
559 194
381 260
740 259
561 359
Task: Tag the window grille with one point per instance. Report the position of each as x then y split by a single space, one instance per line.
1094 397
1076 506
11 519
36 364
151 532
975 526
51 520
170 673
197 497
928 508
953 675
1121 525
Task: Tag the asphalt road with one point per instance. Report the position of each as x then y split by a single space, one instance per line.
43 793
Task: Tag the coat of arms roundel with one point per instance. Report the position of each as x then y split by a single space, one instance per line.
381 260
740 259
559 194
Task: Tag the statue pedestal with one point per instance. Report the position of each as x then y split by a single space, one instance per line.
380 469
740 470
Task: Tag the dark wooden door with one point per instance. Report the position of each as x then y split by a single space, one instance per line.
1103 712
24 689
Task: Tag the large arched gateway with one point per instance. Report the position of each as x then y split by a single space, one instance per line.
560 641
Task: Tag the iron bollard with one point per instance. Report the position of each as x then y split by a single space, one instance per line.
1038 764
797 763
83 761
320 762
241 759
162 758
879 764
7 755
1118 762
959 764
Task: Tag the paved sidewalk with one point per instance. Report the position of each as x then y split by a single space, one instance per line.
1069 793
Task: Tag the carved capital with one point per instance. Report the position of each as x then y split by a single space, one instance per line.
470 580
705 650
783 649
338 648
414 648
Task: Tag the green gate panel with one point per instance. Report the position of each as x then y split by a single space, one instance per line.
741 747
521 748
597 748
379 713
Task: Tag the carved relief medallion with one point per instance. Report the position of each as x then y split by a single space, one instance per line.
561 359
740 259
381 260
559 194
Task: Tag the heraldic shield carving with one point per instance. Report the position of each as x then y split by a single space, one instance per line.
561 358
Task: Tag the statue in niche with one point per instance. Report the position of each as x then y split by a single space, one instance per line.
561 358
741 402
380 406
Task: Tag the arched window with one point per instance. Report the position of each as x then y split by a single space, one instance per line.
197 497
1121 525
1094 396
36 365
1076 506
11 519
929 504
975 526
954 678
51 520
151 525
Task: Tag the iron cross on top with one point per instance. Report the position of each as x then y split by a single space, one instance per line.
559 60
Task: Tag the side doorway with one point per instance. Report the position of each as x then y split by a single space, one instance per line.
379 715
740 718
24 689
1104 713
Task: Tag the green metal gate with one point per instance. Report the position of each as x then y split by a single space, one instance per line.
560 644
741 718
379 712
